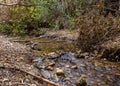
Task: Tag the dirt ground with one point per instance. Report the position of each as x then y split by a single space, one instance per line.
15 65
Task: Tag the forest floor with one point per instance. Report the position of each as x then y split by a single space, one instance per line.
51 59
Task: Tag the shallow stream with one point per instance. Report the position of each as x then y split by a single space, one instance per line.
58 62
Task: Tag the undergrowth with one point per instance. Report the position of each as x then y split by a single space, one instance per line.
94 29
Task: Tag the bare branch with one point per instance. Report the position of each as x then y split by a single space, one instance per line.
26 5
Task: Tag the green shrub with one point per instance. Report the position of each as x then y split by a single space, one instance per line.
55 14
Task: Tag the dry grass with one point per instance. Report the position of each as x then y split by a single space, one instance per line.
95 29
111 49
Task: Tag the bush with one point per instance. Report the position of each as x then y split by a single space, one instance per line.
45 13
95 29
22 20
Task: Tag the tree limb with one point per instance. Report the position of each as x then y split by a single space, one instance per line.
37 77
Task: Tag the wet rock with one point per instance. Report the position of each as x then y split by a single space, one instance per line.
53 55
82 67
68 56
40 66
59 72
98 68
38 59
67 70
82 81
45 63
45 74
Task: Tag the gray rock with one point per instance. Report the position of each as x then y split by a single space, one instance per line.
52 55
46 74
38 59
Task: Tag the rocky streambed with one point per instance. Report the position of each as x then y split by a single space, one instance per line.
62 62
68 70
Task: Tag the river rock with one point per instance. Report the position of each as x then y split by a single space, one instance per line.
59 72
45 74
53 55
38 59
67 66
49 68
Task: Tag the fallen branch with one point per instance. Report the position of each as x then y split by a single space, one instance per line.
37 77
17 4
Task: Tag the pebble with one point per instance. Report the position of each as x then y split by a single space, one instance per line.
38 59
67 66
45 74
49 68
33 85
74 67
52 55
59 72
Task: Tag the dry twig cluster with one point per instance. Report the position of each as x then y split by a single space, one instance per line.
95 30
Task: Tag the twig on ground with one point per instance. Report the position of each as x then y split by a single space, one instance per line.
37 77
